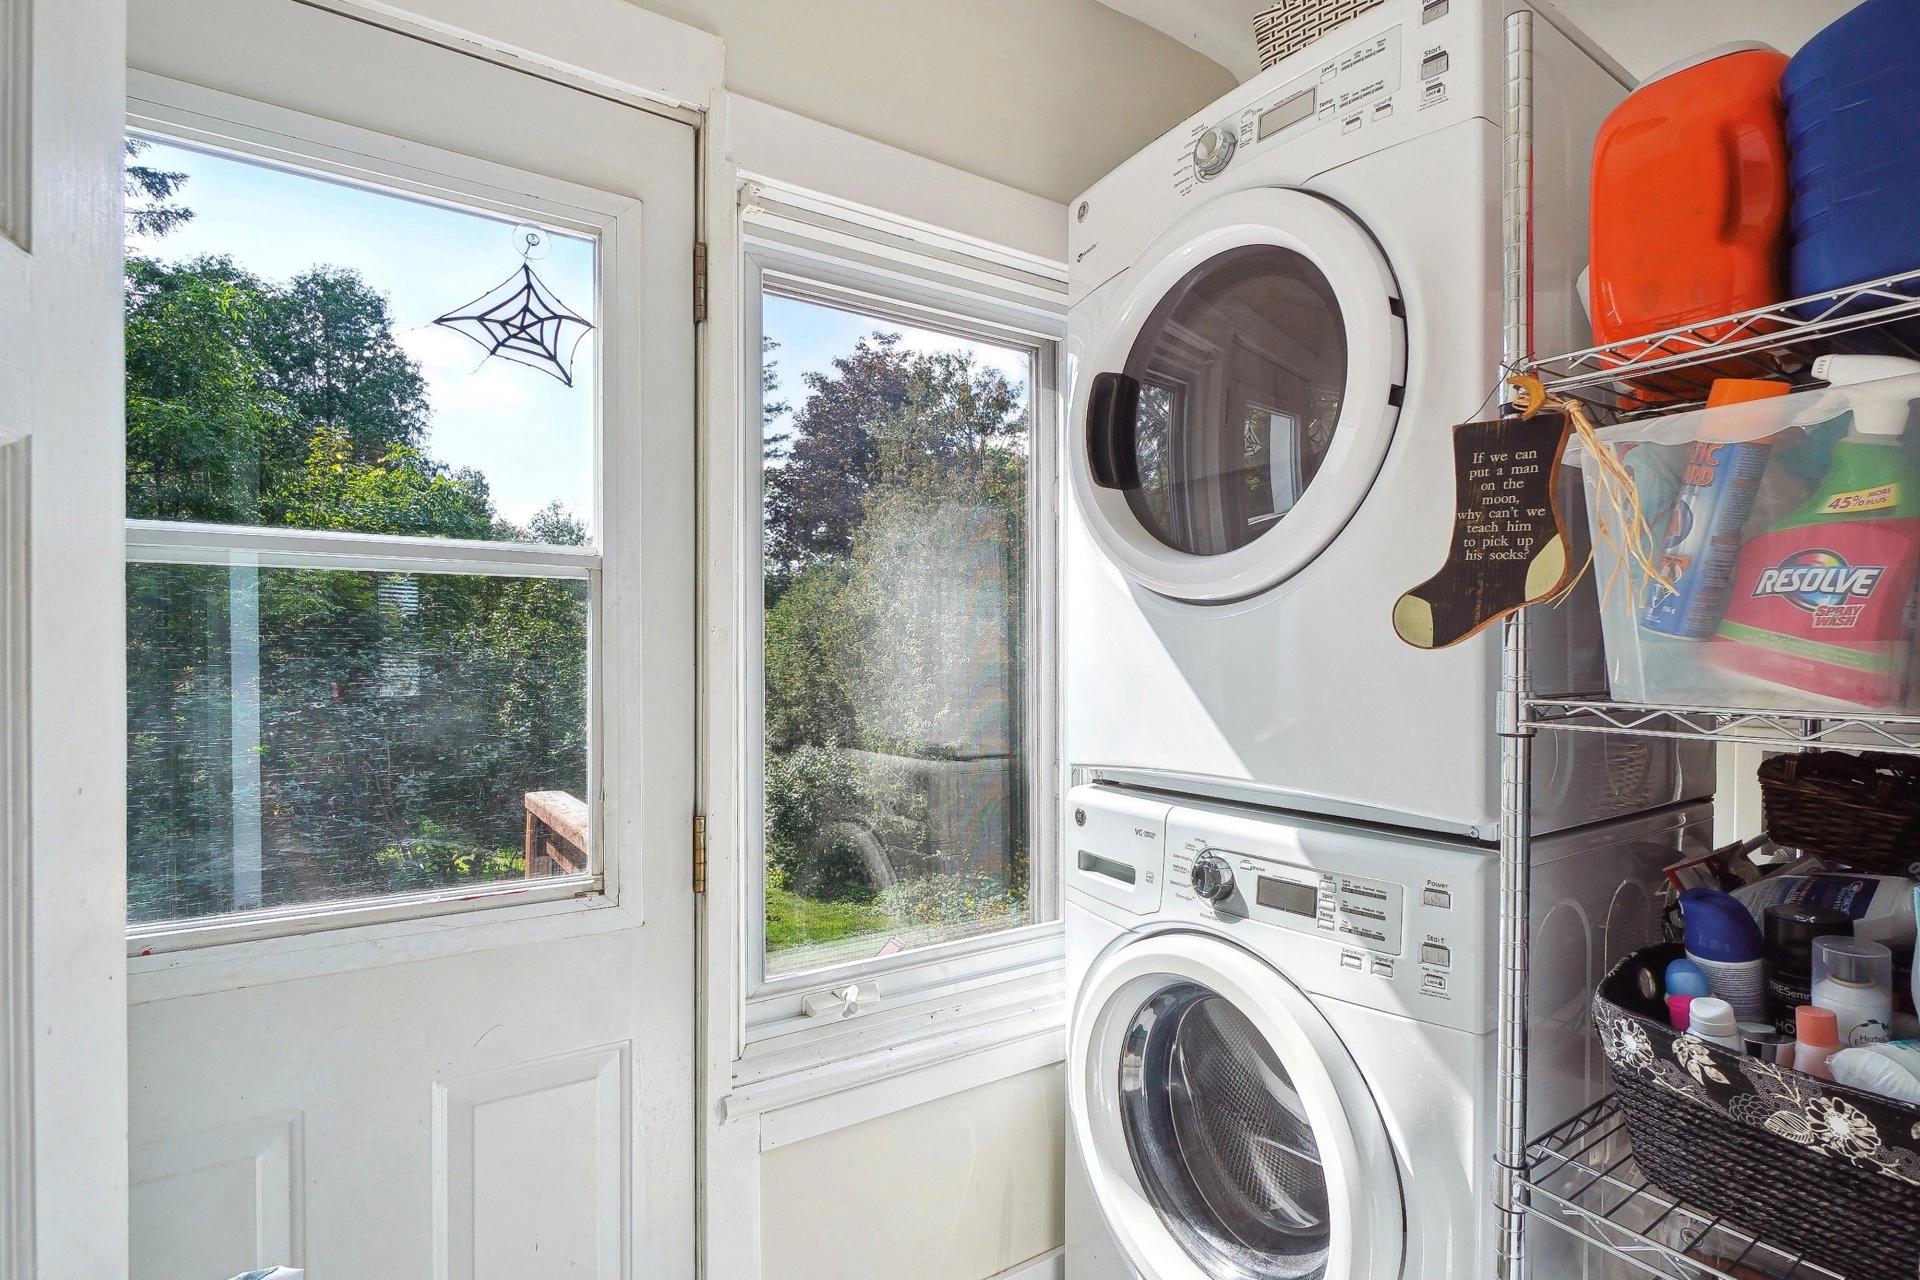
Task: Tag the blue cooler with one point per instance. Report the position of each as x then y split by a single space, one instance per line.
1853 135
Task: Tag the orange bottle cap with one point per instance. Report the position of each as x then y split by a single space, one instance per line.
1815 1026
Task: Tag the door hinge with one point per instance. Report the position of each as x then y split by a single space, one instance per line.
700 282
699 853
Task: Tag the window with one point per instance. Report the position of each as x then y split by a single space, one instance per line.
362 425
905 536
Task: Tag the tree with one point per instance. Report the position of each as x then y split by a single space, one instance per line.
813 499
201 401
148 189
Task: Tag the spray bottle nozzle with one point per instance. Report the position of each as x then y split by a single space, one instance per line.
1872 419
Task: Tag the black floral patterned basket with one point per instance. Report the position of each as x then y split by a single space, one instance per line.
1809 1165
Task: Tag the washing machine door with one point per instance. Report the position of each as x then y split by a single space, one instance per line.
1235 410
1226 1131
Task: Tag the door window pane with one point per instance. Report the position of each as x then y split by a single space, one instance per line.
896 596
309 354
285 364
304 736
1242 368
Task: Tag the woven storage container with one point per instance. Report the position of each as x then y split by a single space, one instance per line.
1859 810
1808 1165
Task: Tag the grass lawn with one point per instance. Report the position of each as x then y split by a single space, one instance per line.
793 920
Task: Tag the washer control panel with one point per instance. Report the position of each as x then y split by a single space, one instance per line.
1367 913
1391 920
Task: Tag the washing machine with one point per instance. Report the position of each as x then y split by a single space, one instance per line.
1278 311
1280 1056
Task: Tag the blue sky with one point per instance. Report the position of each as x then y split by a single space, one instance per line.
531 435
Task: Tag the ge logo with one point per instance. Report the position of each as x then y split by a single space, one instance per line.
1079 817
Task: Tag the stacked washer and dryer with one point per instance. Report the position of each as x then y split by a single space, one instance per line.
1280 852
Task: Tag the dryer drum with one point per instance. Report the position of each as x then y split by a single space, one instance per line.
1220 1139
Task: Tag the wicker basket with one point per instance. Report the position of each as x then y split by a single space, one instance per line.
1809 1165
1859 810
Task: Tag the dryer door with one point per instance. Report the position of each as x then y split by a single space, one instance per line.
1225 1129
1235 412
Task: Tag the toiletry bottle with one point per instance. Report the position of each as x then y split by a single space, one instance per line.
1821 599
1769 1046
1789 929
1882 907
1890 1070
1712 1019
1854 978
1679 1011
1685 978
1815 1039
1702 543
1723 940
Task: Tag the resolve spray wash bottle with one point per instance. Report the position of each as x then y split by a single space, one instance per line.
1821 599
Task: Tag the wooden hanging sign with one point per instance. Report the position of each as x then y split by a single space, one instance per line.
1509 546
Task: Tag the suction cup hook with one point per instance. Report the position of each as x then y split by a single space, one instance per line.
531 242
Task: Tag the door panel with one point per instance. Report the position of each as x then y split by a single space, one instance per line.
499 1108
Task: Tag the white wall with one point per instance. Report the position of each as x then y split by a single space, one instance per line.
1042 95
1646 35
955 1189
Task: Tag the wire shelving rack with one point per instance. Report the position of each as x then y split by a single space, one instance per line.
1580 1176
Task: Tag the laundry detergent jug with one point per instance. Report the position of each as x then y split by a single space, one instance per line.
1821 600
1852 98
1689 209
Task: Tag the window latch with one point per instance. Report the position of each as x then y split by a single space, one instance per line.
842 1002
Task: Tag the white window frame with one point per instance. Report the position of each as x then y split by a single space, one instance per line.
245 129
974 992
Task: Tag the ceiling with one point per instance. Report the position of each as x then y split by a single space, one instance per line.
1220 29
1644 34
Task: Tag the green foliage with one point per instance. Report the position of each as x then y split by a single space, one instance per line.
440 856
942 898
147 190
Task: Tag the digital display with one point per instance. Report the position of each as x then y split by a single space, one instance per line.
1288 895
1290 112
1106 867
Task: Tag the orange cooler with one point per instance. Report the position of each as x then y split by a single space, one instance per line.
1690 196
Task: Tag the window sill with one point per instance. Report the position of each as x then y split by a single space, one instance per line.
934 1049
185 962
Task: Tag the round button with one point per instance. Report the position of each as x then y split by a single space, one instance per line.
1211 152
1211 877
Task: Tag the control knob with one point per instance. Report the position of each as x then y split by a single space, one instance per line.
1211 877
1212 150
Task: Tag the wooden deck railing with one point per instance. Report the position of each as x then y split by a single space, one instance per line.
556 834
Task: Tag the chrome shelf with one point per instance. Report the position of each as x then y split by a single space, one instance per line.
1787 730
1581 1178
1678 366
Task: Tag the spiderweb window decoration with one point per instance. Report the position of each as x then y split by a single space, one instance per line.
520 319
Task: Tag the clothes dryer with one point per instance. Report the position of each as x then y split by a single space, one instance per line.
1281 1052
1278 310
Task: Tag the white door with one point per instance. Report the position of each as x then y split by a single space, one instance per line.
62 964
1234 413
1225 1128
410 609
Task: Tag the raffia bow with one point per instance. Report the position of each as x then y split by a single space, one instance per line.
1622 522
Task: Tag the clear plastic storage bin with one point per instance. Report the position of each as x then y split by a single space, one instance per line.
1790 529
